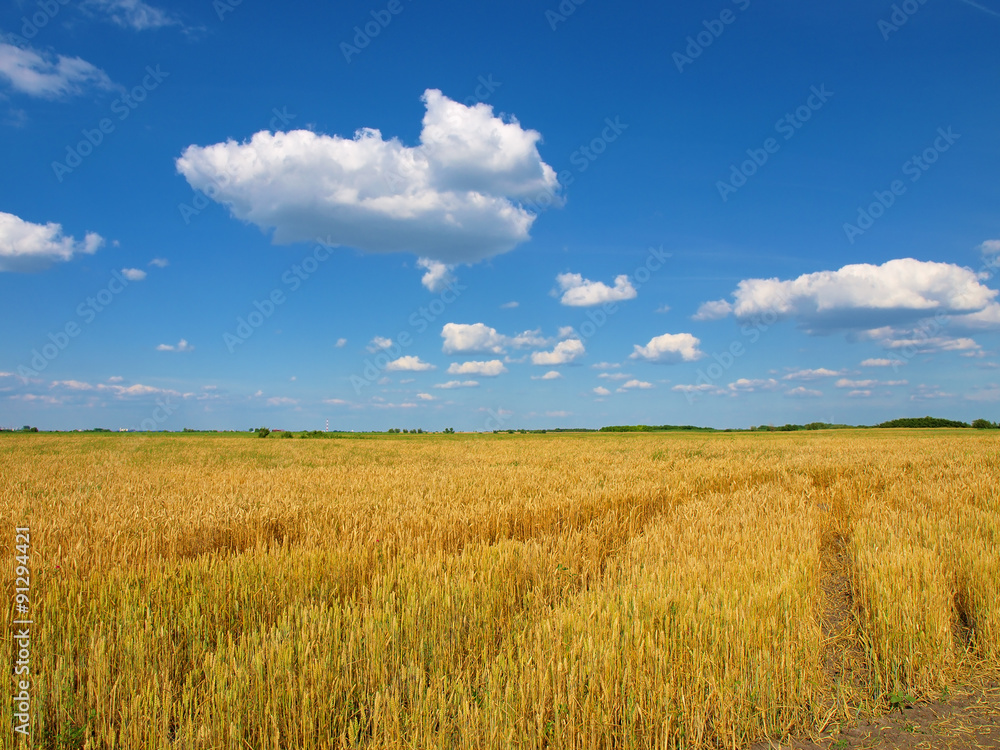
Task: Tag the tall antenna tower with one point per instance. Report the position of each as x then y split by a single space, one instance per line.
327 426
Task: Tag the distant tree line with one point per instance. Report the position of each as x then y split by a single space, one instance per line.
657 428
924 422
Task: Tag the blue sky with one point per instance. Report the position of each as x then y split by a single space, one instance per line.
497 215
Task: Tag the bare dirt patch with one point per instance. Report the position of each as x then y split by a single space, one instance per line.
969 719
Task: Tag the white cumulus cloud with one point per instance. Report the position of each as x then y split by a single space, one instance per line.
803 392
816 374
713 310
863 296
640 384
489 369
479 337
180 346
133 274
474 337
565 352
458 384
882 362
438 274
409 363
748 385
669 348
25 246
990 247
550 375
378 343
867 383
580 292
453 198
49 76
700 388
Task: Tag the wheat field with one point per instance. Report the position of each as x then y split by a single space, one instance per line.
487 591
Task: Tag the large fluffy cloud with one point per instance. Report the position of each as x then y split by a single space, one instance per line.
48 76
669 348
25 246
580 292
451 199
860 296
